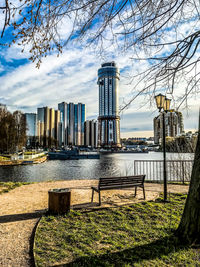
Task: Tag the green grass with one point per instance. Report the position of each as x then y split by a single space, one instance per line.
136 235
3 158
8 186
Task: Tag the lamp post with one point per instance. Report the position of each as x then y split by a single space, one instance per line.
163 103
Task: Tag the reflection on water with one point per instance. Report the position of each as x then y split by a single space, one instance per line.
107 165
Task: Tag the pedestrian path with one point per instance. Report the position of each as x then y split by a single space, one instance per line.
22 207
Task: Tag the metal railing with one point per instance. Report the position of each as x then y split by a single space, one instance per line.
177 170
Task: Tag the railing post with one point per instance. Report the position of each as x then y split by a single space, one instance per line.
134 167
154 169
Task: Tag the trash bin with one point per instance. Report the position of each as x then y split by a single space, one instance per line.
59 200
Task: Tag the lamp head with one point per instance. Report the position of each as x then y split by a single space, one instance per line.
160 100
167 102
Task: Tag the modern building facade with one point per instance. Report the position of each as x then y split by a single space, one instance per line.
173 125
72 119
58 127
32 131
91 133
40 117
48 126
109 119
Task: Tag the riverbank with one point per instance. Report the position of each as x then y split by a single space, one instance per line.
40 159
22 207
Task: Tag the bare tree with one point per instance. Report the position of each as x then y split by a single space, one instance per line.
155 27
12 131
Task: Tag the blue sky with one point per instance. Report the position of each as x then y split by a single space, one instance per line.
72 77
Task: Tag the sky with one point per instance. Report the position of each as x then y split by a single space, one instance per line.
72 77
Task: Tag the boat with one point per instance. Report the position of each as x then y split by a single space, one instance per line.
125 151
132 151
71 155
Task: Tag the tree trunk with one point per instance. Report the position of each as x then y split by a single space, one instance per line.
189 227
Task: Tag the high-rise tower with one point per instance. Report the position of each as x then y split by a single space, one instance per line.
72 118
109 120
173 125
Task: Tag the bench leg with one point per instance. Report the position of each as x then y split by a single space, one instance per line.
143 192
99 198
92 195
135 191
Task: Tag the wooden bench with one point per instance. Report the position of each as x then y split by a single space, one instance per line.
109 183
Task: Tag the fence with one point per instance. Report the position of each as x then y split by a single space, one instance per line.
177 170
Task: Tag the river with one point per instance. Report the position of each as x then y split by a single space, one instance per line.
107 165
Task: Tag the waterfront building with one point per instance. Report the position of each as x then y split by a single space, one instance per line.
40 117
72 120
31 131
173 125
91 133
58 128
51 126
48 126
109 119
43 115
62 107
40 133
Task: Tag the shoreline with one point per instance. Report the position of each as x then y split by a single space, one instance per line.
23 162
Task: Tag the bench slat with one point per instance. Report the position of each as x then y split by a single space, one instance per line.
118 187
122 177
122 181
119 182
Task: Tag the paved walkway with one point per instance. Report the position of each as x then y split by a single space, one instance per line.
22 207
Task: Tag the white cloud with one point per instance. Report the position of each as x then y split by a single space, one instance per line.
72 77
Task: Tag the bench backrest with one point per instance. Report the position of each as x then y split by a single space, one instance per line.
123 181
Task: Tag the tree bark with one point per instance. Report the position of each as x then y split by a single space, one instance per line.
189 227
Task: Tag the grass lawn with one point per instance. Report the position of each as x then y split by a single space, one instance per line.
8 186
136 235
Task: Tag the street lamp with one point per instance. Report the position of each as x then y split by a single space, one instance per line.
163 103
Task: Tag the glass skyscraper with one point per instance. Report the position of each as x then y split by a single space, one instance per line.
31 121
109 120
73 118
31 131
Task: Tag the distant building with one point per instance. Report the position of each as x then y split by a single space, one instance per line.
109 120
31 132
173 125
72 120
48 126
40 117
3 107
64 119
58 127
91 133
51 125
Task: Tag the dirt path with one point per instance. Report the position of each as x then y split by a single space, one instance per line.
21 208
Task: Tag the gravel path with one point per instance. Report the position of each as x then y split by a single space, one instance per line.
22 207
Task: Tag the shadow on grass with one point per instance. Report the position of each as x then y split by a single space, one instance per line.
137 254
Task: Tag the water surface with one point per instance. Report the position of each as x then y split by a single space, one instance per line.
107 165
